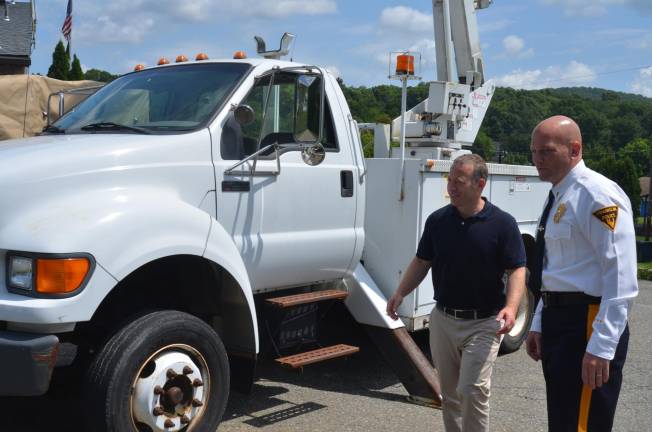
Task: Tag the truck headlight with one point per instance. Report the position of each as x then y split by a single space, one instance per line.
21 273
47 274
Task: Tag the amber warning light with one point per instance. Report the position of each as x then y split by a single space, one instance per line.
405 64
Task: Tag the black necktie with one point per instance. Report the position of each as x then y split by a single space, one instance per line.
536 269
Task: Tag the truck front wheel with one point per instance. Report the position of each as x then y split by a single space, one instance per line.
164 371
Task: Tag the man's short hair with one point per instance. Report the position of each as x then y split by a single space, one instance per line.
480 170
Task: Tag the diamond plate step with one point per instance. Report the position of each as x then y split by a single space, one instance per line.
311 297
318 355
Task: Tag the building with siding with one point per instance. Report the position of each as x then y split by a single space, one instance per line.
17 36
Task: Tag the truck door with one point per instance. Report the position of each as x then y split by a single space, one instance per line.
296 226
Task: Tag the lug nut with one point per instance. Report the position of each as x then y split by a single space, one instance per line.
196 403
187 370
197 382
171 374
158 411
168 423
158 390
185 420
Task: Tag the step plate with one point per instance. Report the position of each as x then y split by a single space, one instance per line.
318 355
311 297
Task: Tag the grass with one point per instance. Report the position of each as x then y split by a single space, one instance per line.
645 270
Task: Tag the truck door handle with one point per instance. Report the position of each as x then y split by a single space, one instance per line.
346 183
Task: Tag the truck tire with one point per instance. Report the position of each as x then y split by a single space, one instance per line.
515 338
163 371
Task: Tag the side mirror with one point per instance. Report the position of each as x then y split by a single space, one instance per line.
313 154
244 114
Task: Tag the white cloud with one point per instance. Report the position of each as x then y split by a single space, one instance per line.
401 19
105 28
515 47
573 74
589 8
513 44
285 8
110 22
643 83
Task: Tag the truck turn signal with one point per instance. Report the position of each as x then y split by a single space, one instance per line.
60 276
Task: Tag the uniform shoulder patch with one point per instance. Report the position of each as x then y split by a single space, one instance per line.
608 216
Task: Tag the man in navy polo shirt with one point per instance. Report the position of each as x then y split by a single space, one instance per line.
469 245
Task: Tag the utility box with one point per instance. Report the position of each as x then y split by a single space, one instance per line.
393 227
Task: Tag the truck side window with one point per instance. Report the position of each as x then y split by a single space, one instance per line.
239 141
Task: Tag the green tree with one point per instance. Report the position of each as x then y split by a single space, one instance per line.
367 138
60 67
622 171
484 147
99 75
639 152
76 73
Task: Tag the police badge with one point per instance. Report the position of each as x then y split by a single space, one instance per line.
560 212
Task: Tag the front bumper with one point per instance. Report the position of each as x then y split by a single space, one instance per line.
28 361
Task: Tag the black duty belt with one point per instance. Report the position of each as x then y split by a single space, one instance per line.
467 314
558 299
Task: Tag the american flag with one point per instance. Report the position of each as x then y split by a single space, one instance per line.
66 29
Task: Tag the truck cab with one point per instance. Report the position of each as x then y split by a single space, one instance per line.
170 198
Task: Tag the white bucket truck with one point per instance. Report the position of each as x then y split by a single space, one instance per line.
156 234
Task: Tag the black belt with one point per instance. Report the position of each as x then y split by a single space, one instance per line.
467 314
557 299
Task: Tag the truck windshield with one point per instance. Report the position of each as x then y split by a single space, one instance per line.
176 98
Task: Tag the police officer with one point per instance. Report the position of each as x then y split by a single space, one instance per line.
469 244
587 277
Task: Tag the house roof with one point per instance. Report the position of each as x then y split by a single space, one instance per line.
16 34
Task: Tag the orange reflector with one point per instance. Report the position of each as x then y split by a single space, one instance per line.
60 276
201 56
139 67
163 61
405 64
181 58
239 55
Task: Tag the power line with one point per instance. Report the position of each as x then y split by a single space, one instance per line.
578 77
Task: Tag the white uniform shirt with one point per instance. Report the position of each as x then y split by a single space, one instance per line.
591 247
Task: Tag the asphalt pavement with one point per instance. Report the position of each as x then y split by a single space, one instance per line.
361 393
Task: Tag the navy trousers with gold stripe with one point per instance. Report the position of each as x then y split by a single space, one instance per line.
571 405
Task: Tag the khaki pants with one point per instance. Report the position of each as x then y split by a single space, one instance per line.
464 352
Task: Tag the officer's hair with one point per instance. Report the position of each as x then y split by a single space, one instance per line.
480 170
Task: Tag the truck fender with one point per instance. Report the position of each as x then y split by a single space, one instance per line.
122 229
366 301
240 315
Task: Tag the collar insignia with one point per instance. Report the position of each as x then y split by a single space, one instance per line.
560 212
608 216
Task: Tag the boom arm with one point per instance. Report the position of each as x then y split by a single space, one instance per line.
456 26
458 100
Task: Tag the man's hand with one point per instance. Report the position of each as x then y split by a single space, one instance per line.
508 315
392 305
595 370
533 345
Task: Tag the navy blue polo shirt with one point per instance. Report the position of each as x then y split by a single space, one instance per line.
469 256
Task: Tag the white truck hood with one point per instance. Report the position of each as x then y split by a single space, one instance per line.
60 186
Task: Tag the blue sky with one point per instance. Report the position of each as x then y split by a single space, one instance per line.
526 43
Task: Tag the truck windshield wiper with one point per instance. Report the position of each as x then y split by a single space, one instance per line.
110 126
54 129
